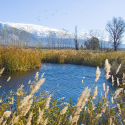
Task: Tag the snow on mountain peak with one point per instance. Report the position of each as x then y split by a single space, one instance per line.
37 29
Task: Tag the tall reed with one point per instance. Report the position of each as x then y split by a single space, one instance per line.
18 59
90 109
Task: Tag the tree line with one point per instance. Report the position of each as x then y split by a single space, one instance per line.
115 28
95 41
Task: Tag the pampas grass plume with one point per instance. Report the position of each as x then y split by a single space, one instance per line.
107 69
7 114
63 111
117 92
8 79
29 118
103 86
94 93
118 68
97 75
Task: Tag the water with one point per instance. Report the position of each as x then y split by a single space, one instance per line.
61 80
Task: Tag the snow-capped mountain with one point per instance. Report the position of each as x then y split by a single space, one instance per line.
35 35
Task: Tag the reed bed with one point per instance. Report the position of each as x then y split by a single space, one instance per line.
22 59
18 59
86 58
46 110
81 57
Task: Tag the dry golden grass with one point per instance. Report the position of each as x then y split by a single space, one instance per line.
90 109
84 57
19 59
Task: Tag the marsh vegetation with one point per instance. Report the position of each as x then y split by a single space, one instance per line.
89 109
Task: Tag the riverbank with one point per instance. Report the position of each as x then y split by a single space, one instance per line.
20 59
86 58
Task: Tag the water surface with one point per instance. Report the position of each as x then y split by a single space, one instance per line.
61 80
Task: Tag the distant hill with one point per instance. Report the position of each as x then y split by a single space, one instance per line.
35 35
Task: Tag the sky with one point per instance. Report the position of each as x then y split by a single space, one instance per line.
87 15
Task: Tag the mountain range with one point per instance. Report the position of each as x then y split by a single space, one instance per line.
35 35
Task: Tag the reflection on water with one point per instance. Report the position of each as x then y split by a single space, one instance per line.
61 80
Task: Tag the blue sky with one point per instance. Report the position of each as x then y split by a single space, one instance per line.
63 14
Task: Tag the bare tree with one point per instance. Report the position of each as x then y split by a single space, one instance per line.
116 28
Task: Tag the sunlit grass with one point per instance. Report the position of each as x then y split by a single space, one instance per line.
19 59
25 108
85 57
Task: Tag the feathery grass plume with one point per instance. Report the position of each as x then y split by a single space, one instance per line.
102 110
15 120
31 87
80 104
82 80
103 86
107 69
94 93
60 99
118 68
85 98
29 81
36 75
82 96
97 75
26 108
29 118
118 82
37 86
4 123
124 121
25 101
93 106
7 114
1 71
118 106
8 79
47 102
112 100
117 92
42 75
1 101
1 119
40 115
63 111
45 122
20 90
110 121
65 103
107 89
113 81
106 95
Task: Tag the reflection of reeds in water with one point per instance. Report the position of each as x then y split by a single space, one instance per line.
45 110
